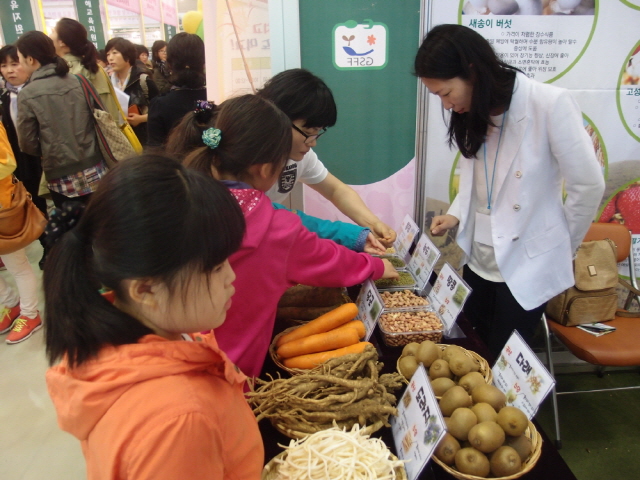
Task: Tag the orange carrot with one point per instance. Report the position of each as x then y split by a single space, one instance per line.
323 323
353 324
314 359
320 342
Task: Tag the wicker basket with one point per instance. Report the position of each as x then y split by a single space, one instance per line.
485 369
270 470
276 358
536 448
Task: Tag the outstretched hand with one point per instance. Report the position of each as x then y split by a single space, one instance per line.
373 246
442 223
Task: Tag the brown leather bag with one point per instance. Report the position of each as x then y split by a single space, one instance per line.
21 222
593 298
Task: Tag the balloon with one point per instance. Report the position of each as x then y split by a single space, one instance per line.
191 21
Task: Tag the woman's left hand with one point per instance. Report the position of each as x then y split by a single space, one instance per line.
134 119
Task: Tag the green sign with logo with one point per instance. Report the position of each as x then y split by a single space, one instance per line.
16 17
364 51
89 16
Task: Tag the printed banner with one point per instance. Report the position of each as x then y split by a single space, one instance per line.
151 9
169 16
89 16
130 5
16 17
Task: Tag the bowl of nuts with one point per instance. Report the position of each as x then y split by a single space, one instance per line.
402 326
405 298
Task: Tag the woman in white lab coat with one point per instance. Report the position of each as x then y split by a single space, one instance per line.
521 141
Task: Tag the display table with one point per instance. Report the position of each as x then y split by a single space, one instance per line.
549 466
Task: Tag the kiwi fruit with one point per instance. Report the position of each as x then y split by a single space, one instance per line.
447 449
408 366
460 363
441 385
489 394
505 461
472 462
512 420
520 444
450 350
471 380
486 436
460 422
410 349
427 353
484 412
439 369
455 397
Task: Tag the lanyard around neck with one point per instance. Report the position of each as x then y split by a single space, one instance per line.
495 162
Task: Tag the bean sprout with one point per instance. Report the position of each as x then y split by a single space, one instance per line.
337 453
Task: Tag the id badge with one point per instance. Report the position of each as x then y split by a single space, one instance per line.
482 233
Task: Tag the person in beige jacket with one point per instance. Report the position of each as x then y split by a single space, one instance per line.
71 43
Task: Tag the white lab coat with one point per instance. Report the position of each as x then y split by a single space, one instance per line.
534 234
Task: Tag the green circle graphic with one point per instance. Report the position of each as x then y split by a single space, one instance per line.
619 90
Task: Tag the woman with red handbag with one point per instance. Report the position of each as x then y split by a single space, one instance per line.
19 315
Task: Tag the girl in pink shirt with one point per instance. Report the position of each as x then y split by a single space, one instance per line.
246 146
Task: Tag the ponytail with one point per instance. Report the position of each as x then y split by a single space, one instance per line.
62 68
187 134
74 35
80 320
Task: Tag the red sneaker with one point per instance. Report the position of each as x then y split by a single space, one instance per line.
23 328
8 316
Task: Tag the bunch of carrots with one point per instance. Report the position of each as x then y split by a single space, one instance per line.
331 335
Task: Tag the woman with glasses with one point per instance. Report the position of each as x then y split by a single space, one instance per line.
309 103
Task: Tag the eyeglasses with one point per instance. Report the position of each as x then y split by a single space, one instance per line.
309 138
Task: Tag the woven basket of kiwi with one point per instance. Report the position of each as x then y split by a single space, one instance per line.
494 453
447 366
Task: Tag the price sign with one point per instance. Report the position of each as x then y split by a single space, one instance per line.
369 306
448 295
406 235
423 260
521 376
419 426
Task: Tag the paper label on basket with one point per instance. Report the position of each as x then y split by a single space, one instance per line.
419 426
423 260
369 307
448 296
521 376
405 237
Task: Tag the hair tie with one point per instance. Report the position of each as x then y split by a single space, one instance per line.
62 220
211 137
204 111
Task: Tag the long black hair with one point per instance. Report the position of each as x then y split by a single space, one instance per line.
450 51
150 218
73 34
39 46
253 131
